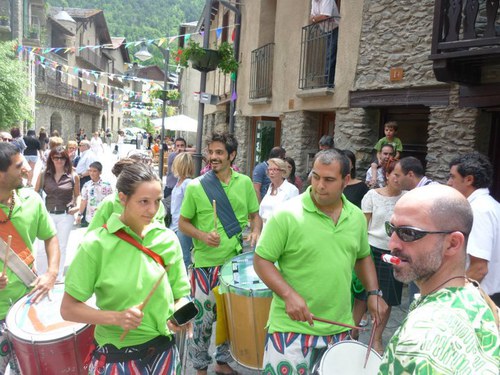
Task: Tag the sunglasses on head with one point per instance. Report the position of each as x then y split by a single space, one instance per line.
410 234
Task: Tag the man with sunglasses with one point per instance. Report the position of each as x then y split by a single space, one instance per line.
316 240
472 175
450 328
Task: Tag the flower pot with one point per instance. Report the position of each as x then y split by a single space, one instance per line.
206 63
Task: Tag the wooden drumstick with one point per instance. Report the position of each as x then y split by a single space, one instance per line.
145 302
7 251
370 343
214 205
338 323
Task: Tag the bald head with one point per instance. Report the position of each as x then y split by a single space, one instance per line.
447 207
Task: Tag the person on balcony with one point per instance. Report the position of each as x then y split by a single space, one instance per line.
321 10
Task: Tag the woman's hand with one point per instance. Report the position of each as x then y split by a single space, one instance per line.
188 328
130 319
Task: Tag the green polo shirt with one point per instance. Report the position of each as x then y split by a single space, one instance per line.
31 221
316 258
121 277
111 204
199 210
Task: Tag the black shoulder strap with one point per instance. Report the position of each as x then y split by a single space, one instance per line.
225 212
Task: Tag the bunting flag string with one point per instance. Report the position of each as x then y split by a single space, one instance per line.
158 41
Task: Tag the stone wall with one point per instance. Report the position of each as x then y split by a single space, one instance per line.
395 33
299 132
242 134
452 131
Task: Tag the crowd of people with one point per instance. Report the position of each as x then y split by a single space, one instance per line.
318 245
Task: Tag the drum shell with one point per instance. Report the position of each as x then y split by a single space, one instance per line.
247 312
44 343
62 356
347 358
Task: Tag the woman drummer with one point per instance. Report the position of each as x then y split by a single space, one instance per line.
121 276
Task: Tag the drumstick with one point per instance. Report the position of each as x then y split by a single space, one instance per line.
145 302
214 204
9 241
337 323
370 343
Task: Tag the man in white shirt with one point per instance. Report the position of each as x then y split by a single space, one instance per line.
471 174
385 153
87 157
320 11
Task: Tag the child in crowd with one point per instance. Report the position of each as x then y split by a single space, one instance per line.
93 192
390 130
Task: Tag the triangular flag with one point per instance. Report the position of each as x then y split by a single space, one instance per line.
161 41
233 35
218 32
234 96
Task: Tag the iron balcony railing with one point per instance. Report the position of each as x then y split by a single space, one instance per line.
54 87
318 54
261 74
465 29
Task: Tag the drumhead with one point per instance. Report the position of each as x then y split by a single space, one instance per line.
348 357
238 276
41 322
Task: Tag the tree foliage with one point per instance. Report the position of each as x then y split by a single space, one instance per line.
14 83
148 19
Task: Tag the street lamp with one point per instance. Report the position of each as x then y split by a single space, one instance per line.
143 55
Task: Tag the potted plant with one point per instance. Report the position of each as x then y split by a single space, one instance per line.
33 32
206 60
171 96
4 21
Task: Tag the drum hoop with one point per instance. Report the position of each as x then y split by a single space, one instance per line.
18 334
353 342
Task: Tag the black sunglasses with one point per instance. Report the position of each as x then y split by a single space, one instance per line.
410 234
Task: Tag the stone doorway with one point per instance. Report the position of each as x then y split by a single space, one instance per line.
56 123
494 154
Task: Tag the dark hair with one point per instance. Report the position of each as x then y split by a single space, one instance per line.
228 139
352 158
326 140
326 157
277 152
388 145
31 133
15 132
134 175
391 125
180 139
411 163
59 150
96 165
476 165
7 151
120 164
291 177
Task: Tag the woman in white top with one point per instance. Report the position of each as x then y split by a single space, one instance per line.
96 144
378 206
183 169
279 190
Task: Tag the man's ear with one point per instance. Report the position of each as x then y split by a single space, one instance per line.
454 244
469 180
232 156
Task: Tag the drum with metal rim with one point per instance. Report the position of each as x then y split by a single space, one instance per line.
348 358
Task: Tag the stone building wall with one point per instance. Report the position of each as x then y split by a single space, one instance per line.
242 133
395 33
299 132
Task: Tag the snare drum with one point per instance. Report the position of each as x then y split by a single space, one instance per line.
44 343
347 358
247 301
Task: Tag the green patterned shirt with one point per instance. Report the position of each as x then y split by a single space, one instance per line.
451 331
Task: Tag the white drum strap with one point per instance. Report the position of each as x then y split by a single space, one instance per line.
17 266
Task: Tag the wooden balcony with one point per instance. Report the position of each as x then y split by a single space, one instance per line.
88 56
465 40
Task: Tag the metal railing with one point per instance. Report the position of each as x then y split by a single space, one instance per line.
261 73
51 86
318 54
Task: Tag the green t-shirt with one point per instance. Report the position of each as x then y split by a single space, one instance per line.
111 204
121 277
316 258
32 221
396 143
199 210
451 331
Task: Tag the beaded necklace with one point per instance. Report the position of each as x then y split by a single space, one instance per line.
11 209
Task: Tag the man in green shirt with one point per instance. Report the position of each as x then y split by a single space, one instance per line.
213 247
450 328
316 240
24 213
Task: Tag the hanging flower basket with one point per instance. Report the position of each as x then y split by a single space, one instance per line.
206 62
